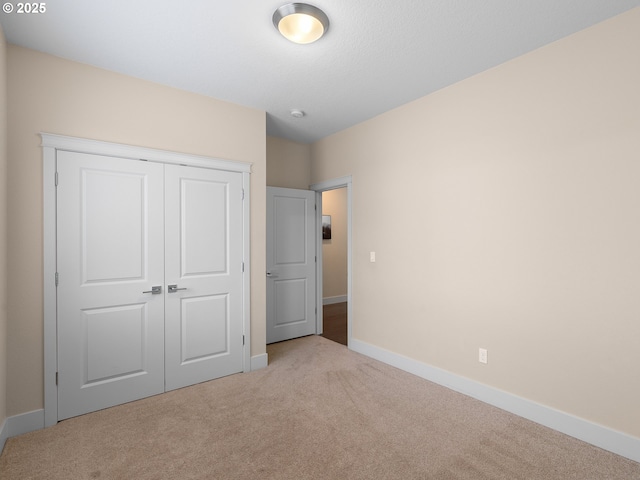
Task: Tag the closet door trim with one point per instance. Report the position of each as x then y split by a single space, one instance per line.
52 143
82 145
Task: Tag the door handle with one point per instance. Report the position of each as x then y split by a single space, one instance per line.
271 275
155 290
174 288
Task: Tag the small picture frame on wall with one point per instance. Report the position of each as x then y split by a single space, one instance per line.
326 227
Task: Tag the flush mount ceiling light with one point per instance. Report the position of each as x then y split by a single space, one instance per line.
301 22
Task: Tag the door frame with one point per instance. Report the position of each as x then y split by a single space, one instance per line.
51 143
342 182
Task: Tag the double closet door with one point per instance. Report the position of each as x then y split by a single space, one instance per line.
150 278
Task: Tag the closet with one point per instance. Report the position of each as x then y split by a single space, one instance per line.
150 287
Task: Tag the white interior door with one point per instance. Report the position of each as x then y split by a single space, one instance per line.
110 237
291 264
204 245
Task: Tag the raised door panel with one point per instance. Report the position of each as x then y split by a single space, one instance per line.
110 238
205 327
124 326
290 231
290 302
203 227
112 202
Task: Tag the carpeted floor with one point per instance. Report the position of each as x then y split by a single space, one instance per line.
319 411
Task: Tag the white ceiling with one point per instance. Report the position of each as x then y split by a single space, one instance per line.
378 54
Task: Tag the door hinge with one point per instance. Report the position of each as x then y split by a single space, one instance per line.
56 378
57 278
243 194
243 340
56 179
242 267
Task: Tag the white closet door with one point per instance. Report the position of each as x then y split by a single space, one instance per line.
204 244
110 238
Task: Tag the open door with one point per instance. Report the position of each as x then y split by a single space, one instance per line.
291 263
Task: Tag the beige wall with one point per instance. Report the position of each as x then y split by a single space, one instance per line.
49 94
334 251
504 211
288 164
3 228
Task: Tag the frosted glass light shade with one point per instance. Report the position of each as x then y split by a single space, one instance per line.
300 22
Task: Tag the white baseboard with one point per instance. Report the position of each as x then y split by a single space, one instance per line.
598 435
603 437
259 361
19 424
332 300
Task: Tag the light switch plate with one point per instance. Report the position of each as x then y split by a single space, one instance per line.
483 355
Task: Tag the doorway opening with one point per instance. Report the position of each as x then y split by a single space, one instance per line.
334 280
334 265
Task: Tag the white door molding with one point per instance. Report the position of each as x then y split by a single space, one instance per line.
342 182
83 145
52 143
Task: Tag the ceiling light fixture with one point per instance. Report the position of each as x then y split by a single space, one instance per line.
297 113
300 22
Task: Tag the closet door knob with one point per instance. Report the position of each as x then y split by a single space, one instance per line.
174 288
155 290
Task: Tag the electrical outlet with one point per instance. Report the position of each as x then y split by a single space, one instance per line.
372 257
483 355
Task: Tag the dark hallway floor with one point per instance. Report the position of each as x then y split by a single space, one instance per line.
334 322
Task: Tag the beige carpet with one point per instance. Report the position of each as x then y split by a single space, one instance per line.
318 411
